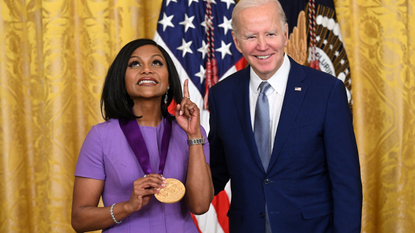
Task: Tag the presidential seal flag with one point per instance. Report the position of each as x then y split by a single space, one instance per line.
197 35
315 38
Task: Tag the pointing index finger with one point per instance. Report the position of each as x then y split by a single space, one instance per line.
186 89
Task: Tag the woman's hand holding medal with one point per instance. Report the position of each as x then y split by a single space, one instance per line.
143 189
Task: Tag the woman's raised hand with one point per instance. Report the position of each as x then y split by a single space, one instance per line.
188 115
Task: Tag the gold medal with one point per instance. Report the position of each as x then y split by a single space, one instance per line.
172 192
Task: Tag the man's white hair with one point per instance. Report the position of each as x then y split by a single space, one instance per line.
244 4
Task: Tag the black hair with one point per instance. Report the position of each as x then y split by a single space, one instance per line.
115 101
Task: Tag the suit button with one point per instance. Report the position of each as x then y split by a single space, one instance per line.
267 181
262 215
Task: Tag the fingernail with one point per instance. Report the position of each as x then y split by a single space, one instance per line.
181 112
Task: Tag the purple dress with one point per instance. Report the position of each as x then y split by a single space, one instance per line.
106 155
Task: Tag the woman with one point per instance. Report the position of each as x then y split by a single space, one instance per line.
140 84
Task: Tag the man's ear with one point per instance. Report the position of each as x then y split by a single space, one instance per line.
235 39
286 35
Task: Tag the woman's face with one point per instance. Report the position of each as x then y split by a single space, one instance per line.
146 75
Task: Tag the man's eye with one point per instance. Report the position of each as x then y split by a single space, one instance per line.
134 63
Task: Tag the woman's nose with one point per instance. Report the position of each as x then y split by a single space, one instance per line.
146 69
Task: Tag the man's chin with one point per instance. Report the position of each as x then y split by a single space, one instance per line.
264 73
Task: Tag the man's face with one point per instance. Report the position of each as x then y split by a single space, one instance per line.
261 39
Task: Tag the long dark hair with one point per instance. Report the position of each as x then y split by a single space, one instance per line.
115 101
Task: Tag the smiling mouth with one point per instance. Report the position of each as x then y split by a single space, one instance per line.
263 57
147 82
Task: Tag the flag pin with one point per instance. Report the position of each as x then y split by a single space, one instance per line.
297 88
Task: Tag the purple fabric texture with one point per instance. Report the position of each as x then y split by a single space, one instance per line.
106 155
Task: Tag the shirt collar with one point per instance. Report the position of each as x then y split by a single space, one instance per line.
278 81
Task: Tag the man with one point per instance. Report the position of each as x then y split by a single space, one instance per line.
287 145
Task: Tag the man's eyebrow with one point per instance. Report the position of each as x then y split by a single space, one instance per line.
248 35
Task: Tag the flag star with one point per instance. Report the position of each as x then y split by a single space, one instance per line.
325 42
228 3
185 47
336 53
168 1
201 74
190 2
187 22
318 38
205 23
166 21
203 49
342 61
226 25
211 1
225 49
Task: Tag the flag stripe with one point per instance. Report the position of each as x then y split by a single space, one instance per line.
182 32
219 202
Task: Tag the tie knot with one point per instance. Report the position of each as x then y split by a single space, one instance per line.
263 87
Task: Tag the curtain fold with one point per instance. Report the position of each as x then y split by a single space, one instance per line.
53 60
54 56
379 39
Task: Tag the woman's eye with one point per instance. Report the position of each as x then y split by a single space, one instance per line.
134 63
157 63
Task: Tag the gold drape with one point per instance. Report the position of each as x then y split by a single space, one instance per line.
379 38
53 59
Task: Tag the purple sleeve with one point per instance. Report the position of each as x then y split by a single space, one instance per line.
90 162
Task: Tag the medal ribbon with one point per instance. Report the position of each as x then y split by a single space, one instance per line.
135 139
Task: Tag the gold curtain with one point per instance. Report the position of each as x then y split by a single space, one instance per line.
379 37
53 59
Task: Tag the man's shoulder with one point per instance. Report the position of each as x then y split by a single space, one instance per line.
231 80
313 74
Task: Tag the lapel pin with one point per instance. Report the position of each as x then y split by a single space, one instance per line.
297 88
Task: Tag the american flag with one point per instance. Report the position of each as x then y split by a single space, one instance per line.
184 31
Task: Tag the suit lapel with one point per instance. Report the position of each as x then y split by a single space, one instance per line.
294 95
241 97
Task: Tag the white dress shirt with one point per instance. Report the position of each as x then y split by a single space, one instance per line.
275 95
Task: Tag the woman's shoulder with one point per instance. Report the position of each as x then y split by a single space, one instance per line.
106 124
107 127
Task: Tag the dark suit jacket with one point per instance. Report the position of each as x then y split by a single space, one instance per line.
313 183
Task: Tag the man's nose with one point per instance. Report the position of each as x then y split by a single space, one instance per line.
262 43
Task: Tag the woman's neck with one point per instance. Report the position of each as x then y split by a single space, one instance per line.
150 113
